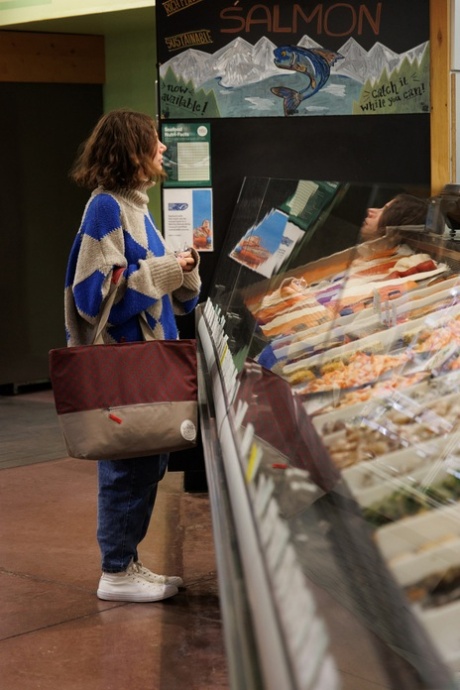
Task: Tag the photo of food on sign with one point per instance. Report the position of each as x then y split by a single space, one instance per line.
285 60
202 235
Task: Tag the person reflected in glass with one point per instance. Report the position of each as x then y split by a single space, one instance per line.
403 209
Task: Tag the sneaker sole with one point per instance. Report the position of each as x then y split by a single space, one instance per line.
172 581
136 599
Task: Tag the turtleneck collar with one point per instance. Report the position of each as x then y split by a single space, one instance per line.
138 197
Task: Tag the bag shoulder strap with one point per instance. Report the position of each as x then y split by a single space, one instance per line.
104 317
145 328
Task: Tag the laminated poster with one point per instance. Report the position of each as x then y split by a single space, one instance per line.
188 219
187 159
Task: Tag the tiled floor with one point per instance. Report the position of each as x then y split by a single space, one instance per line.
55 633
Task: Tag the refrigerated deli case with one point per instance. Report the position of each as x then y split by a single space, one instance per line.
330 408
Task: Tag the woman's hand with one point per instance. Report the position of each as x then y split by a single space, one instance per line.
186 260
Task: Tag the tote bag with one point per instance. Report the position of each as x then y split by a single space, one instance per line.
125 400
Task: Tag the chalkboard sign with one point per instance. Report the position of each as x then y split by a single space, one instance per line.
272 59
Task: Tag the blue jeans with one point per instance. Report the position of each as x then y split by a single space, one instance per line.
126 496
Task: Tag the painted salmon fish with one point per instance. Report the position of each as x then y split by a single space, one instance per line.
315 63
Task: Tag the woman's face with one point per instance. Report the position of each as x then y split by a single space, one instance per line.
158 157
370 226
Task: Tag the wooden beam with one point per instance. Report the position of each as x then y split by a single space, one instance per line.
440 85
51 58
455 142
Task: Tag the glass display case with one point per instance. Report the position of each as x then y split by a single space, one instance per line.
330 417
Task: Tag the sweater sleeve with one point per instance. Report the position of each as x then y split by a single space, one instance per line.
186 297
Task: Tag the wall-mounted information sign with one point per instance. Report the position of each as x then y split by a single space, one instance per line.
187 159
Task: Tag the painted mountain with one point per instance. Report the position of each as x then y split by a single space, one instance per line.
242 80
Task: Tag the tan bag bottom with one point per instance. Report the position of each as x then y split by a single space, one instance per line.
130 431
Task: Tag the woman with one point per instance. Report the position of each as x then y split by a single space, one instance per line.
118 240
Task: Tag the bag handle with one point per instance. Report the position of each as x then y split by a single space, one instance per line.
145 328
98 340
104 317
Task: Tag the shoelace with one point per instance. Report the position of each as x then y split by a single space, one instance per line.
136 567
140 569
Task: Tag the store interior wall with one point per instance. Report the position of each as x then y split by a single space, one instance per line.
41 128
41 208
131 81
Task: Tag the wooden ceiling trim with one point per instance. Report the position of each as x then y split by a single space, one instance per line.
51 58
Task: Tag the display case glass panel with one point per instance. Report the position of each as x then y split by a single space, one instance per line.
343 400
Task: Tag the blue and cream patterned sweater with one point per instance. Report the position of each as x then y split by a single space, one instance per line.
117 231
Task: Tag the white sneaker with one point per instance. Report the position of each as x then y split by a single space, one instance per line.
130 585
157 579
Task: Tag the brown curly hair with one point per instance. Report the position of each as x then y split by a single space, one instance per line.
119 153
404 209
